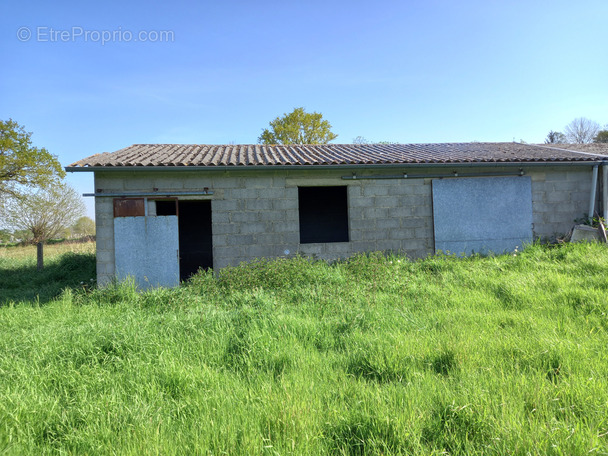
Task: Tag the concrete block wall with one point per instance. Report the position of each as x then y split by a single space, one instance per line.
255 213
559 196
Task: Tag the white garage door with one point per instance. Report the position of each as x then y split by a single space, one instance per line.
482 215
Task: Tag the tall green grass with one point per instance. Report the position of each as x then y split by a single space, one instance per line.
375 355
67 265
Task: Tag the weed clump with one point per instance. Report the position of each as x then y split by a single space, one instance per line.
363 434
456 430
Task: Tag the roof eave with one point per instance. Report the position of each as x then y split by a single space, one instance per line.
80 169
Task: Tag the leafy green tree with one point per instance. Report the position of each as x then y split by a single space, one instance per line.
84 226
555 137
45 213
22 164
22 235
601 137
5 236
298 127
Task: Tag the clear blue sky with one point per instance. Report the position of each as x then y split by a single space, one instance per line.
403 71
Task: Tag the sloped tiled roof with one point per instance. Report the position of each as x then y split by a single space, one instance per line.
185 155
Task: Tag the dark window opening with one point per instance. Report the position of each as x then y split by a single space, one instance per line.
195 242
166 206
323 214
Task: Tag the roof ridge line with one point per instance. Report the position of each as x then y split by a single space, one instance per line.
569 150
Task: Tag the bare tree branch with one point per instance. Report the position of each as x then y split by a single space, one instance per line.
45 212
581 130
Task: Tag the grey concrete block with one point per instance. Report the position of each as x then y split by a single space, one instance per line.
230 251
423 233
291 239
416 222
415 200
105 268
105 256
278 181
244 217
256 251
272 193
375 212
393 245
422 211
219 182
364 246
558 217
244 193
583 175
585 233
538 196
285 227
255 227
338 248
356 213
226 228
221 205
375 190
416 254
220 217
269 238
564 186
356 234
273 216
388 223
423 188
362 224
373 235
361 202
291 215
401 212
283 204
355 191
582 196
540 207
241 239
220 240
414 244
537 177
259 182
401 187
557 197
311 249
258 204
556 176
387 201
400 233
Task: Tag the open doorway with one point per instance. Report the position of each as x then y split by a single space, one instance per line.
195 244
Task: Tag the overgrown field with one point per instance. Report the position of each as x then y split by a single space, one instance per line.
498 355
65 265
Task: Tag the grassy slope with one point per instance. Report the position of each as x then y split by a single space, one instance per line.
373 356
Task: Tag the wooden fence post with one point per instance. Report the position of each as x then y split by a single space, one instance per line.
40 256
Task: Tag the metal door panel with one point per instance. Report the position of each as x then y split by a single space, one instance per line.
482 215
147 249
